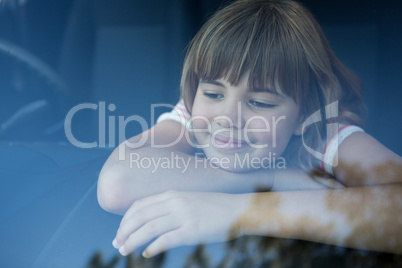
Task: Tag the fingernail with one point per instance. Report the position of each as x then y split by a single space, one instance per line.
144 254
115 243
122 250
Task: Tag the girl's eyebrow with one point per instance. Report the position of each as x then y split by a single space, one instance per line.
212 82
258 90
266 90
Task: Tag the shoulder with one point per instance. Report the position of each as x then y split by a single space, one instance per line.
335 137
179 114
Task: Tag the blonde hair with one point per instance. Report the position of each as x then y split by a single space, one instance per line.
279 43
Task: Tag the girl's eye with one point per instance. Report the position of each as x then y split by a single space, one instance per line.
213 96
261 105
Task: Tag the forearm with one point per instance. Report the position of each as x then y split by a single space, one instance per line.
147 171
124 178
362 217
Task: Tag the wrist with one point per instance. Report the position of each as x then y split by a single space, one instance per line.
242 225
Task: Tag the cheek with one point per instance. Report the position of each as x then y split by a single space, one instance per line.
202 112
281 136
200 118
276 132
259 130
199 124
198 106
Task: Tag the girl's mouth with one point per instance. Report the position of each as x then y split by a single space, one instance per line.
226 143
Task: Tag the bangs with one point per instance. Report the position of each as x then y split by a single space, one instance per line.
258 41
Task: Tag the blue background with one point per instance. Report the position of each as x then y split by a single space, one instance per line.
57 54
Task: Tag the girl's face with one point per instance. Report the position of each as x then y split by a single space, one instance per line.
241 129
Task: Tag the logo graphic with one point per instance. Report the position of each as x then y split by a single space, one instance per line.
328 158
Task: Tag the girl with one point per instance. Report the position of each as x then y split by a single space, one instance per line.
267 102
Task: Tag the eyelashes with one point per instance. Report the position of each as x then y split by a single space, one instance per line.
213 96
253 103
261 105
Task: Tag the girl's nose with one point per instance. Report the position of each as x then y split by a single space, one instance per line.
231 116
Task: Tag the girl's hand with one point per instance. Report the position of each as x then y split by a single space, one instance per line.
177 219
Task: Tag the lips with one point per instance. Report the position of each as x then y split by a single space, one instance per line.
227 143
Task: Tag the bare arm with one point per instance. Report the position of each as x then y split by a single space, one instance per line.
363 161
361 217
133 173
366 216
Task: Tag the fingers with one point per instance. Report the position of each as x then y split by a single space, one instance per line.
165 217
147 232
164 242
143 203
138 219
